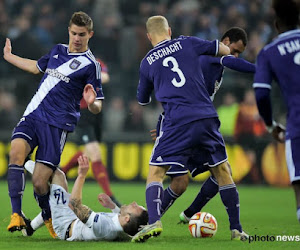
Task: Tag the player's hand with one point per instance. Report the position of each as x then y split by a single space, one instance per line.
7 48
279 133
83 165
153 134
89 94
106 201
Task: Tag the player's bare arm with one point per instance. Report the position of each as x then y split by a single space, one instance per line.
82 211
22 63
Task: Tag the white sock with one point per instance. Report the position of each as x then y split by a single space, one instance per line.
37 222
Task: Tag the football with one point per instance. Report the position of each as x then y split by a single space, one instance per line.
203 224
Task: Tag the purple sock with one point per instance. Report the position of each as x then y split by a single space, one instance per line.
154 195
208 190
16 186
169 198
230 199
43 201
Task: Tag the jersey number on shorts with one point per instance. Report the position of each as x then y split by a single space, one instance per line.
175 69
59 196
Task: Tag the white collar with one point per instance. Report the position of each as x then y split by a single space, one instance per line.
116 221
289 32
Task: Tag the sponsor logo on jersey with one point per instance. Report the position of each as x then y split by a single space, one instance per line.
96 218
55 73
55 56
74 64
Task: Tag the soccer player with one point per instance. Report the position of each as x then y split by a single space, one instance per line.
88 132
70 72
190 122
73 221
280 60
213 69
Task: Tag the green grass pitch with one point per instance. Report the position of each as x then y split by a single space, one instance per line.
265 211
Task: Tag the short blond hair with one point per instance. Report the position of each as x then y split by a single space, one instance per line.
158 25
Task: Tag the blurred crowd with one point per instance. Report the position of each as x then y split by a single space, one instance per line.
34 26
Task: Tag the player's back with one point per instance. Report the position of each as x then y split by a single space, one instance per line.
282 56
173 68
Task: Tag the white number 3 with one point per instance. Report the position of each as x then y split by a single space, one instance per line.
297 58
175 69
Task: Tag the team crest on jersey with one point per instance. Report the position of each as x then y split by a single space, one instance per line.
74 64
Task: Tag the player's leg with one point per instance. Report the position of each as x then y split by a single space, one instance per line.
62 215
58 178
22 142
154 195
198 164
211 144
208 190
16 181
293 163
51 144
230 199
40 180
178 185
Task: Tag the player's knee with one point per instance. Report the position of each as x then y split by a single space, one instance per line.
179 184
221 170
16 157
40 185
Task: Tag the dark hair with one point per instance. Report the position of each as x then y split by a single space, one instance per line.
235 34
287 12
81 19
132 227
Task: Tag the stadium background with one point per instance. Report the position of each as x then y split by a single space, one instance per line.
34 26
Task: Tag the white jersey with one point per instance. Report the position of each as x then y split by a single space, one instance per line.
100 226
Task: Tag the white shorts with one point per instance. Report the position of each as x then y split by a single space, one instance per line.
293 158
62 215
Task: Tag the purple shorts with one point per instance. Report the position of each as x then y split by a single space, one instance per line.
49 139
192 147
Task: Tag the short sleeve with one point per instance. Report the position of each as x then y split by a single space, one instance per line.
43 62
205 47
145 87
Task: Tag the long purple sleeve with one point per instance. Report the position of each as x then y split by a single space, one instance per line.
238 64
264 105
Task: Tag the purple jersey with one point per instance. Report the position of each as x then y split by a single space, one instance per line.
57 100
213 70
171 68
281 60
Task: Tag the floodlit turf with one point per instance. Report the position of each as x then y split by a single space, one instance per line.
265 212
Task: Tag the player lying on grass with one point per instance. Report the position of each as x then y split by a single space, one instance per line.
73 221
